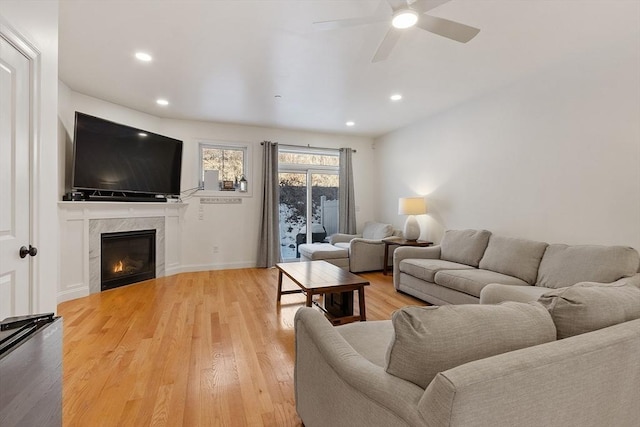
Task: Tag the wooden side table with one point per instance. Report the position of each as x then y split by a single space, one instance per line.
399 241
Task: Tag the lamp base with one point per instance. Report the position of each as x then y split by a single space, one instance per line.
411 228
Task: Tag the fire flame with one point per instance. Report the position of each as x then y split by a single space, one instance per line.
118 267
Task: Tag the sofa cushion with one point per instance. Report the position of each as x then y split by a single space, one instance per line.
472 281
369 339
428 340
564 265
426 269
586 307
514 257
376 230
464 246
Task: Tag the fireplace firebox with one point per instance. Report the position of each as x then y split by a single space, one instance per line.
127 257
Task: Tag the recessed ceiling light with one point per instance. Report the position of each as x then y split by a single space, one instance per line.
163 102
142 134
396 97
404 18
350 123
143 56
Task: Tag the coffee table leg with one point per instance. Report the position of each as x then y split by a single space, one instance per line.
309 298
279 284
363 310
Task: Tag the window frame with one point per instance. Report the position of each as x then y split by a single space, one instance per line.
308 170
246 148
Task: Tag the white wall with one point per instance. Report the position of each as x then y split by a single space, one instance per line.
38 22
234 228
554 157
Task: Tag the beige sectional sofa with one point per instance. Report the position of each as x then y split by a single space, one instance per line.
473 265
569 359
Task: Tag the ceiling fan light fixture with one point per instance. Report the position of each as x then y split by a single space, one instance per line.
404 18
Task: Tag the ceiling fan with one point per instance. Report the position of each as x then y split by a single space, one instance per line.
406 14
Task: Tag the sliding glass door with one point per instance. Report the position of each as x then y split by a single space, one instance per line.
308 195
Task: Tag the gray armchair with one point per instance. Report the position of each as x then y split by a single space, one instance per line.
366 250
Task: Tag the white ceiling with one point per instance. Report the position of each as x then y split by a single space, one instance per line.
225 61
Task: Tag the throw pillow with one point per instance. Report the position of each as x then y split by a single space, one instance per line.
428 340
514 257
586 307
464 246
564 265
376 230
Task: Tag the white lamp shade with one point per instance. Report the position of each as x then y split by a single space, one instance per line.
412 206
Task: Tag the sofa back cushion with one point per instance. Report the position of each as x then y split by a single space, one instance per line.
514 257
428 340
564 265
376 230
586 307
464 246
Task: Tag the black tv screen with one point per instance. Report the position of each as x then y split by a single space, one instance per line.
112 158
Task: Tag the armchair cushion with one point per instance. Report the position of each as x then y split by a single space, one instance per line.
428 340
586 307
464 246
376 230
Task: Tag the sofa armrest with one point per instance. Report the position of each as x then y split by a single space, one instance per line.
496 293
334 385
366 255
341 238
406 252
631 280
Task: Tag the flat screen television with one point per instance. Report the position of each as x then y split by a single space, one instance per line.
114 161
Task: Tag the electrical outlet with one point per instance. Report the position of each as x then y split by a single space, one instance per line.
216 250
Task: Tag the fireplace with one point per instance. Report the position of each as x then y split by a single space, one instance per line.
127 257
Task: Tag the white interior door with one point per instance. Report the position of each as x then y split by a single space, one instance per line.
15 277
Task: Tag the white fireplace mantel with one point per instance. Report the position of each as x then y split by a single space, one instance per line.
79 220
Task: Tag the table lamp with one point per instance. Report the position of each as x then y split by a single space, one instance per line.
412 206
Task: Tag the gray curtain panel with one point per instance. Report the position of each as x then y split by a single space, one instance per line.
346 199
269 242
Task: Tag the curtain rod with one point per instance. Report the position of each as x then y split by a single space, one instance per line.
309 146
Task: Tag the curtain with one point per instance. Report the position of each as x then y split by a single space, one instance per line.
269 242
346 199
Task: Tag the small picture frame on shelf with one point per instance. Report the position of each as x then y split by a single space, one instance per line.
228 186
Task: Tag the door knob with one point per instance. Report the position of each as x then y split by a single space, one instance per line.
33 251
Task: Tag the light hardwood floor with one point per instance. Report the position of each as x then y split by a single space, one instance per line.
195 349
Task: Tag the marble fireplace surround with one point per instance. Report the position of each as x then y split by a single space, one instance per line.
82 223
113 225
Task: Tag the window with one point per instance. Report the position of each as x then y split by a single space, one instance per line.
230 161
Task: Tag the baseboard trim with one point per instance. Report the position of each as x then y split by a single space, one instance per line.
74 293
205 267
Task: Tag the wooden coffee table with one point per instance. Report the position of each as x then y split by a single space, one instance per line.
322 278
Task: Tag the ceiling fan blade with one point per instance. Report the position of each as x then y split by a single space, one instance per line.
351 22
422 6
449 29
397 4
387 44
